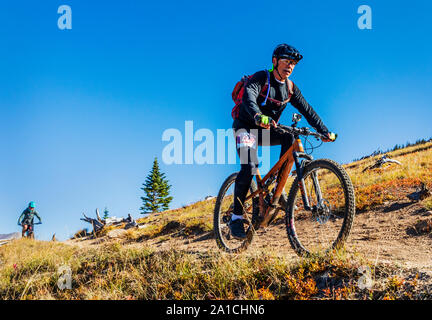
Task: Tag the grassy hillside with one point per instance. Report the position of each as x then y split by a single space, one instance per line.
376 186
131 267
372 188
30 271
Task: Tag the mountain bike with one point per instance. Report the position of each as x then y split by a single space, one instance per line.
319 209
29 233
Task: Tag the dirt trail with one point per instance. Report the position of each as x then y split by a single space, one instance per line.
383 235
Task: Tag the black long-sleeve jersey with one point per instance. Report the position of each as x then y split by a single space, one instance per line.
252 100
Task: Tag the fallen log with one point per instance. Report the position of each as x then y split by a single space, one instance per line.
99 224
380 163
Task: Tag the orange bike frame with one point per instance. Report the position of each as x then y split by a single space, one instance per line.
282 169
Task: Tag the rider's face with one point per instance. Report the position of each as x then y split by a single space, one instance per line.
285 67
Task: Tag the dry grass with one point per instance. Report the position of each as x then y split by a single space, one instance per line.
374 187
377 186
427 203
196 218
29 271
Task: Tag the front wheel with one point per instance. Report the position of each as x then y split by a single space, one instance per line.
222 214
327 222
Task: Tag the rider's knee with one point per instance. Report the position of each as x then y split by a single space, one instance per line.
287 141
249 168
253 168
288 138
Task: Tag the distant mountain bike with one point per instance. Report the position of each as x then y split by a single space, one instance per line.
319 211
29 233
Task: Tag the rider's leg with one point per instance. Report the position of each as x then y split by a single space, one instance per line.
246 144
24 229
242 184
247 150
241 188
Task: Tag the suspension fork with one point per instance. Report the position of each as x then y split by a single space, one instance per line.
317 188
301 183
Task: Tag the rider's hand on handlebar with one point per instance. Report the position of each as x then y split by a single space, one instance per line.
264 121
329 137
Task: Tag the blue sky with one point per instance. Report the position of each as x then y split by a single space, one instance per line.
83 110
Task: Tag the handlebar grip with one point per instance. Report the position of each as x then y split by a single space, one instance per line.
335 137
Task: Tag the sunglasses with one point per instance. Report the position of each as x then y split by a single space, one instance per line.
288 61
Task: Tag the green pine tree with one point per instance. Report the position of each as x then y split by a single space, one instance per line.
156 188
106 213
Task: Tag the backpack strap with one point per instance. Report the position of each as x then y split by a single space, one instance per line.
290 91
290 88
268 88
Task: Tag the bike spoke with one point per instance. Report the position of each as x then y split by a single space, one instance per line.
317 229
223 216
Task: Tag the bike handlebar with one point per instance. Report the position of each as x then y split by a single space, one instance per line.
300 131
20 224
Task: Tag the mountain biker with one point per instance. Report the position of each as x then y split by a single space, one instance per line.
27 216
253 114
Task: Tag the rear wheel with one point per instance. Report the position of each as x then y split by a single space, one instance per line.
30 233
222 215
327 225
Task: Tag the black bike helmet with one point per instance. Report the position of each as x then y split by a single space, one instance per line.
285 51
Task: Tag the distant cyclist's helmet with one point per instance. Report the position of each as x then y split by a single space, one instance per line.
31 204
285 51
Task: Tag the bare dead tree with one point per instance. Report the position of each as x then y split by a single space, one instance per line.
98 224
380 162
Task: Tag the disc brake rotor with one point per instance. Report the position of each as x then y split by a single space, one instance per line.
323 211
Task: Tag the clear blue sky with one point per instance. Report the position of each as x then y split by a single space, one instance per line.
83 110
